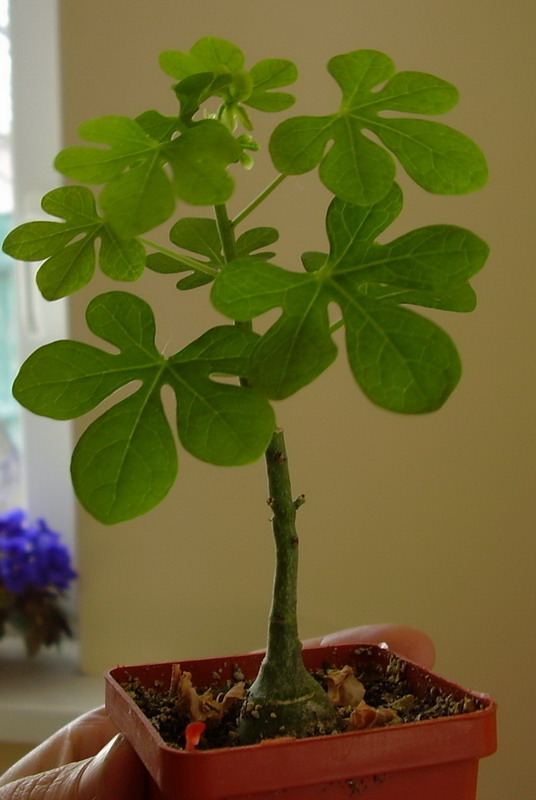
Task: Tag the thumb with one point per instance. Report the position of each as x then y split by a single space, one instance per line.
115 773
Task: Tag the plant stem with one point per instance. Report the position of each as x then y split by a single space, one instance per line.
258 200
284 698
225 229
283 641
228 244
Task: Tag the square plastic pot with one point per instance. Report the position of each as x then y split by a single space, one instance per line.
428 760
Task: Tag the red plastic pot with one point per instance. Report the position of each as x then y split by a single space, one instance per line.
433 759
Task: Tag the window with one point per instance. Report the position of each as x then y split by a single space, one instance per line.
34 452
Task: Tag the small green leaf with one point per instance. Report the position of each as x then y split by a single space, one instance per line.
178 65
402 361
69 246
271 73
167 265
125 462
208 55
138 200
214 55
128 144
255 239
198 235
191 92
199 159
194 281
358 170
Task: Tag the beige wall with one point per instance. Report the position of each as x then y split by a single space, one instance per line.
425 521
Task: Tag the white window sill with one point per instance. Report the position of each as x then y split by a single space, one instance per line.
40 695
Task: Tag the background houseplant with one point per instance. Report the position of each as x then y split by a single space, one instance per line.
35 573
125 462
479 488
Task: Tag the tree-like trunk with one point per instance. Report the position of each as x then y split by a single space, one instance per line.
284 700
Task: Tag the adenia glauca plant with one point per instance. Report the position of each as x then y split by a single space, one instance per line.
148 168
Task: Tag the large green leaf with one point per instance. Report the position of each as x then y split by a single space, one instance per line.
402 361
125 462
138 193
356 168
69 248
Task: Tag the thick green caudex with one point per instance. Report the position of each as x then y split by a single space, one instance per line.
126 461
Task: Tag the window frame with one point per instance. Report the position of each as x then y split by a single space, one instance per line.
36 138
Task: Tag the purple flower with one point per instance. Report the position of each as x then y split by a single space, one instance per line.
32 556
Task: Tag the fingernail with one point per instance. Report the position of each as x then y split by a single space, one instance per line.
92 776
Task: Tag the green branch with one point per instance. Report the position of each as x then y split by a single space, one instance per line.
258 200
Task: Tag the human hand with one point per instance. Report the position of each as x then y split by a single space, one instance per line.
89 760
86 760
400 639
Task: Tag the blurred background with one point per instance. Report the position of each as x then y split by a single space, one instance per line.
426 521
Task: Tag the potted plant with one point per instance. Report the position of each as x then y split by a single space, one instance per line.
225 381
35 573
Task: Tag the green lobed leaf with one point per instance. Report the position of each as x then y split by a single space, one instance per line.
139 199
193 90
168 265
66 379
138 194
221 423
199 160
69 248
271 73
402 361
249 242
157 126
215 54
215 67
128 144
198 235
125 462
356 168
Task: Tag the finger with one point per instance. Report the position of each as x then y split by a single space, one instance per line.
80 739
115 773
401 639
